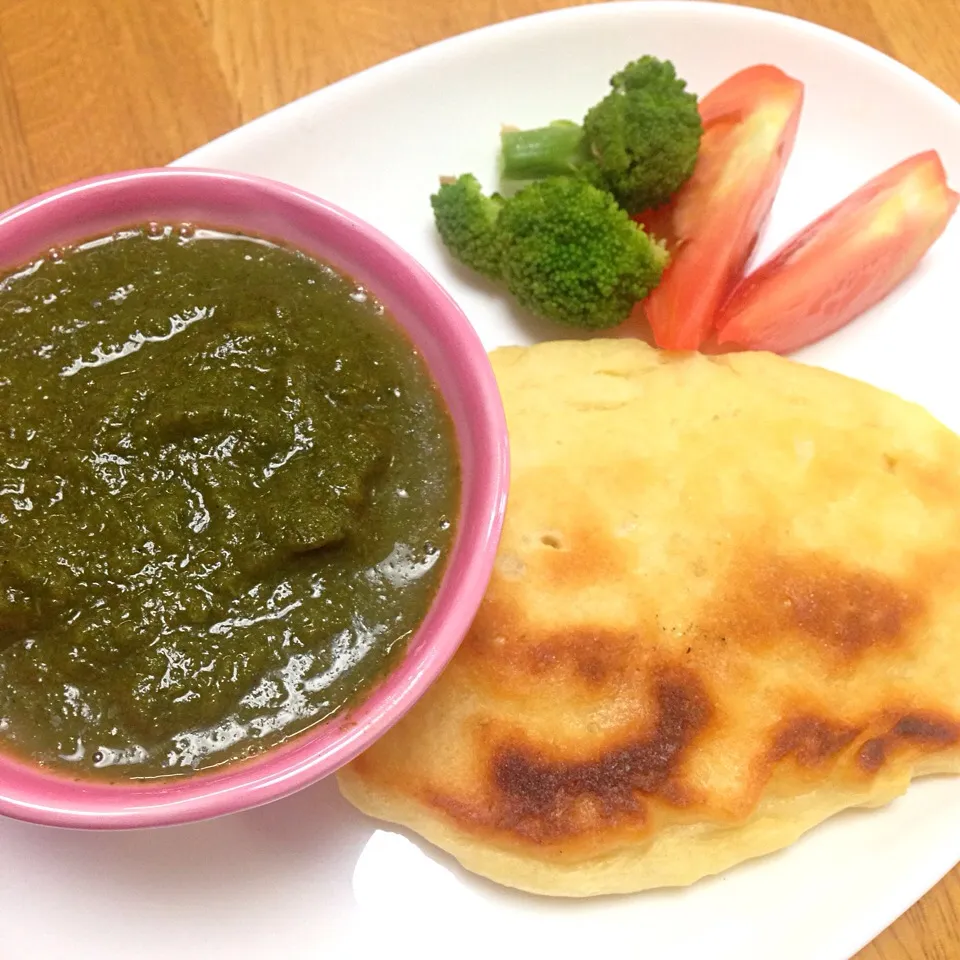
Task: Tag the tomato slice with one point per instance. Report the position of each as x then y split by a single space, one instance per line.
844 262
750 124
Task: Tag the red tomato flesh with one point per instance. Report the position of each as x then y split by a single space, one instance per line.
844 262
750 124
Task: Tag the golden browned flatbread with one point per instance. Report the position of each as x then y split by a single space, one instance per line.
726 606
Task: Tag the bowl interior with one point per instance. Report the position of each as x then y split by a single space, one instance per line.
459 367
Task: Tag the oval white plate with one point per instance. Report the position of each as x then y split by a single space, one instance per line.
308 877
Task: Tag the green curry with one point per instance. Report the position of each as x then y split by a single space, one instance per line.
227 489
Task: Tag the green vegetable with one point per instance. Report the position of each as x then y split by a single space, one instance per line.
552 151
639 142
562 247
466 219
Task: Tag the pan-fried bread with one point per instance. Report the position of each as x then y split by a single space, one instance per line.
726 605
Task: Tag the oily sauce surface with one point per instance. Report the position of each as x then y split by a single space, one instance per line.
227 489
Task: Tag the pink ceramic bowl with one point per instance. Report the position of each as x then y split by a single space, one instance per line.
460 368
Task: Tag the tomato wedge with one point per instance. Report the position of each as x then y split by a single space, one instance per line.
750 124
844 262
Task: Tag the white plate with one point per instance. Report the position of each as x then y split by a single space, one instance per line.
307 876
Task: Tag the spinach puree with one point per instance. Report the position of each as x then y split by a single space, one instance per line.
227 486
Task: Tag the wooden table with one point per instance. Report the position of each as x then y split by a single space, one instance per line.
88 86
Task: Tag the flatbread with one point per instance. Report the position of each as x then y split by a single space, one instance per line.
726 605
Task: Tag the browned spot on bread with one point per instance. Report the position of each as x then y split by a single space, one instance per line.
542 659
592 656
922 731
541 798
589 555
840 609
593 667
872 754
811 740
926 728
515 656
849 610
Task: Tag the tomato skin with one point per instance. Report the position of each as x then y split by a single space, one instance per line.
844 262
750 125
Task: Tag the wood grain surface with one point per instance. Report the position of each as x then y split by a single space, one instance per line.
89 86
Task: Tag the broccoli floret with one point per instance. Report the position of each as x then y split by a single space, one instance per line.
640 142
564 249
572 255
466 219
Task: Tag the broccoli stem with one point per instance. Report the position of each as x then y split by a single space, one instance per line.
556 150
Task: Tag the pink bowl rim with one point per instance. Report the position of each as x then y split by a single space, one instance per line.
55 800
